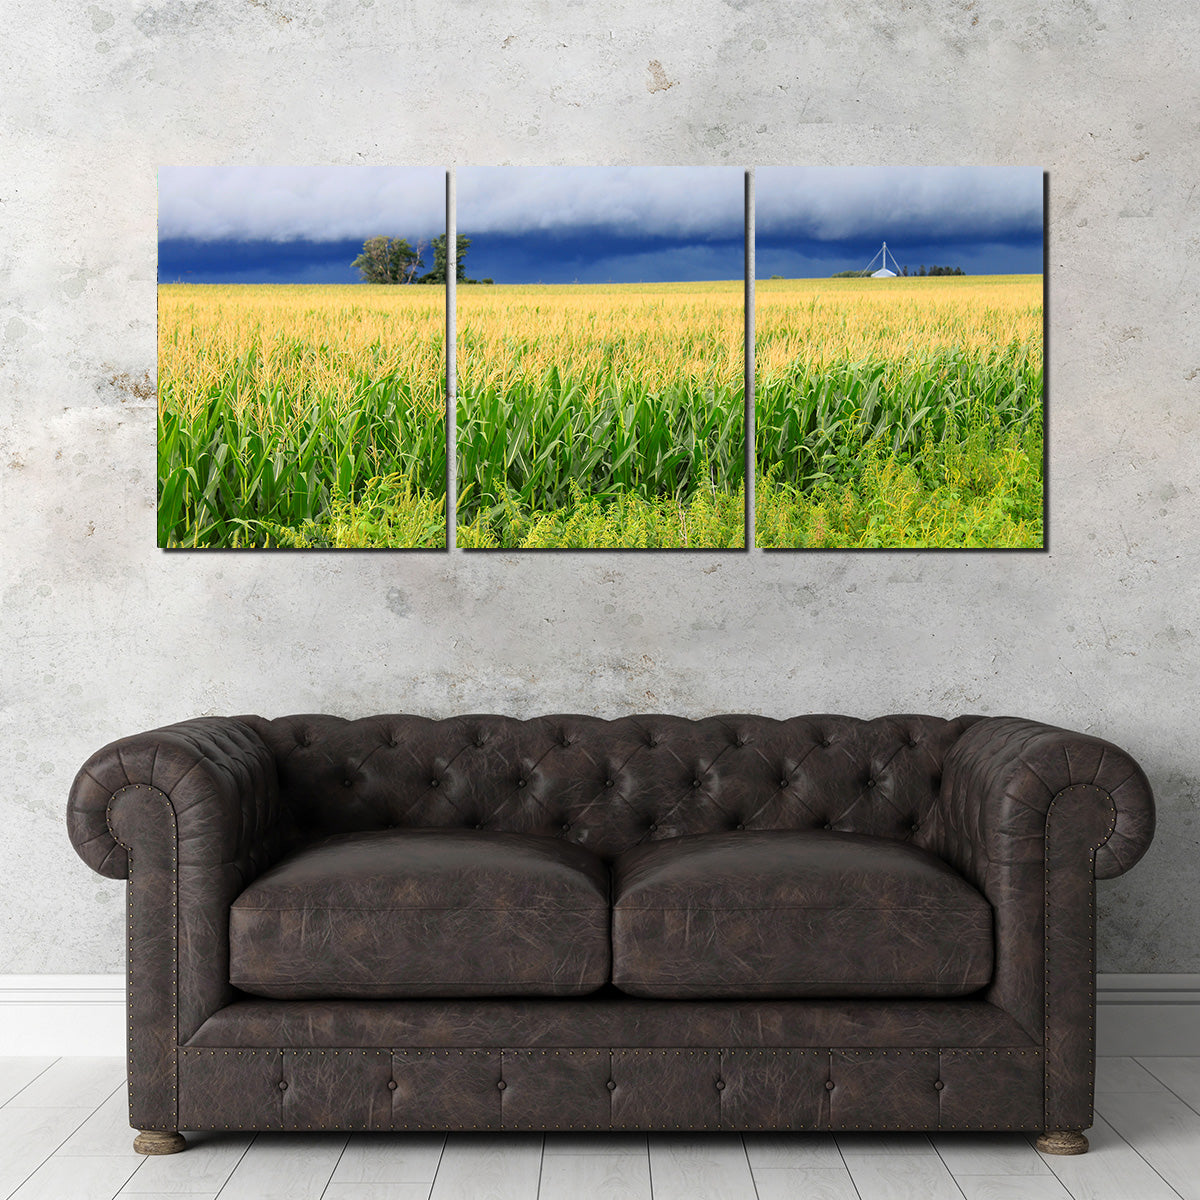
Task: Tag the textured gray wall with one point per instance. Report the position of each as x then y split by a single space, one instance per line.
104 635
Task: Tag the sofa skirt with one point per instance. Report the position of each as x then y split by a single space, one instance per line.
912 1065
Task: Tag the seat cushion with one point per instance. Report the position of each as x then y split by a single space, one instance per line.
789 914
429 912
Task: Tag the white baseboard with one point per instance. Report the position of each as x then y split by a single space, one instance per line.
62 1014
85 1014
1148 1014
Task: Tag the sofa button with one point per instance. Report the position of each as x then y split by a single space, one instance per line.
739 825
695 783
826 826
870 783
479 825
392 1085
915 827
521 782
829 1085
347 783
566 825
283 1085
720 1085
784 782
652 828
608 783
912 741
611 1085
939 1085
501 1085
827 741
434 782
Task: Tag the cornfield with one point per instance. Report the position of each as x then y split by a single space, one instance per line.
572 396
899 412
277 404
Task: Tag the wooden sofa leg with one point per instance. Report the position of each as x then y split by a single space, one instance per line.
159 1141
1062 1141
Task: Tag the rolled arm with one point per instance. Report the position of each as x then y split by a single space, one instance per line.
189 814
1001 778
219 777
1033 815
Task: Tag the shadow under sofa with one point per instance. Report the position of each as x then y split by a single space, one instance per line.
650 923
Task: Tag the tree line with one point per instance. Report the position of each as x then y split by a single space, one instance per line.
903 272
395 260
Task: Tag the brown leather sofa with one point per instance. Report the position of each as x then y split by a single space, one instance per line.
652 923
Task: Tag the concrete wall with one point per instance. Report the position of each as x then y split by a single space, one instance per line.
104 635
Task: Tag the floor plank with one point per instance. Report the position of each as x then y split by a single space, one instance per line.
809 1150
488 1168
1124 1075
390 1158
713 1167
28 1136
988 1154
204 1167
168 1195
106 1132
376 1191
808 1183
1111 1169
611 1176
1012 1187
902 1177
1163 1130
81 1177
285 1166
1181 1075
72 1083
17 1073
620 1144
891 1144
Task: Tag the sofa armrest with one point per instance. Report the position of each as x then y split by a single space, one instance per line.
1032 816
189 814
1001 778
218 775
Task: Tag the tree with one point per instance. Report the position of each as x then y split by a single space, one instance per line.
389 260
438 274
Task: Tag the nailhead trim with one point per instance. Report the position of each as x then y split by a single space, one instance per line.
1112 824
153 791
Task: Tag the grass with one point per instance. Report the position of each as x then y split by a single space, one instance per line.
899 413
284 411
601 415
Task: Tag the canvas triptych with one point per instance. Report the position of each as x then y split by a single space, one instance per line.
521 358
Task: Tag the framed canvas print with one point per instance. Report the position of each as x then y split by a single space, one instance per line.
301 357
899 357
601 401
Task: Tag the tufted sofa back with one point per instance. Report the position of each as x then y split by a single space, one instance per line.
609 785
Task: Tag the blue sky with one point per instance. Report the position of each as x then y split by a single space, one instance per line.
815 221
596 224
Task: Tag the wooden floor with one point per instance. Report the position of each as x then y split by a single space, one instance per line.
64 1136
